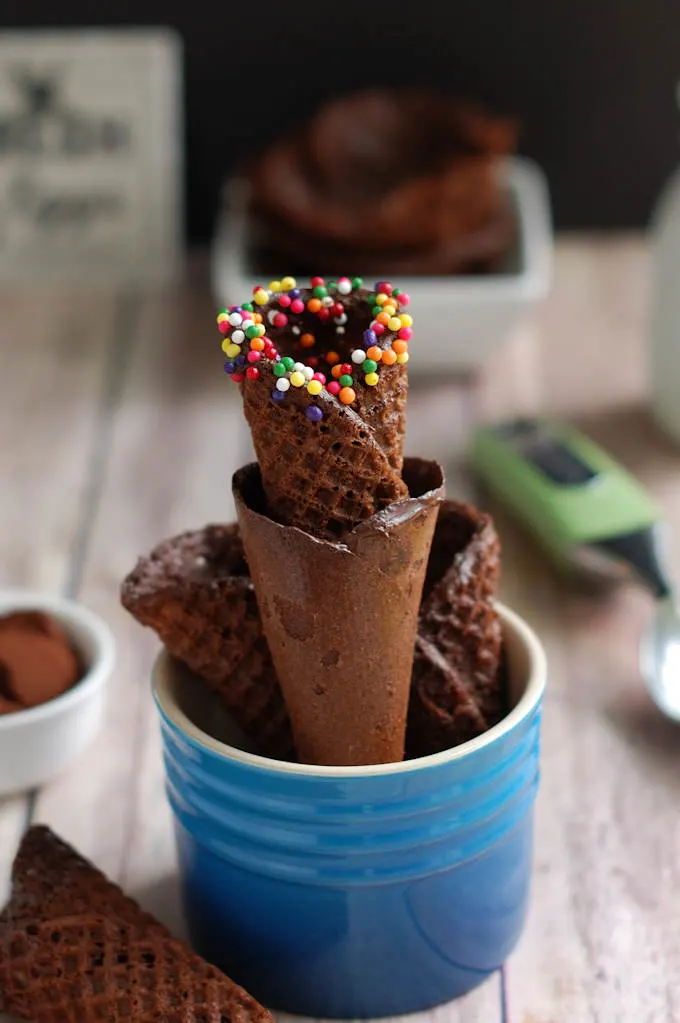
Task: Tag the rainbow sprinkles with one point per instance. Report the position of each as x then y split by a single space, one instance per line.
328 339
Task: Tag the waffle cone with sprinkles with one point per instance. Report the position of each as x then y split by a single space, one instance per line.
323 377
75 949
458 690
195 592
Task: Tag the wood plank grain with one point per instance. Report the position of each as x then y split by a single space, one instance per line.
602 942
55 355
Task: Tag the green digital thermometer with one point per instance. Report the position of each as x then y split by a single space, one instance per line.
581 505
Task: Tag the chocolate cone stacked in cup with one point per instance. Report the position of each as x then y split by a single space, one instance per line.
195 592
457 690
336 531
75 949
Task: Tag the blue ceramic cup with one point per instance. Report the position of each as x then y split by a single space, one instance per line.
357 891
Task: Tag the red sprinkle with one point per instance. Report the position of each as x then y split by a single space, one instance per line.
332 388
318 282
338 309
313 361
237 378
346 368
324 313
252 373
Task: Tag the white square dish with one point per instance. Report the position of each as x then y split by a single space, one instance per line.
459 319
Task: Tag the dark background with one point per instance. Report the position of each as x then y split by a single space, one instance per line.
592 80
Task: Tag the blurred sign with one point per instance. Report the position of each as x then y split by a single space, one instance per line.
90 154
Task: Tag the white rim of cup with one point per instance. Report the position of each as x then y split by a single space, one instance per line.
530 697
66 612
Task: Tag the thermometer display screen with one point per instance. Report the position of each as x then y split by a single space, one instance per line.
547 453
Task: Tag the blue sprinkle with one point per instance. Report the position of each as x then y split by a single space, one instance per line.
314 413
370 338
278 395
229 367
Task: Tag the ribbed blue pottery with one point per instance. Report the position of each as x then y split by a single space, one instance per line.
357 892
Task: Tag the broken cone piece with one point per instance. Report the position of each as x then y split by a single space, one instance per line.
75 949
340 617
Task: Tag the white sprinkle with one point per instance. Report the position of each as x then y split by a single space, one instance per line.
344 287
299 366
271 315
339 330
296 330
238 336
342 318
308 372
282 384
248 323
236 319
358 356
327 301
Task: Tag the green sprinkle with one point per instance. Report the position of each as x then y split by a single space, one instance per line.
345 380
357 282
320 291
253 331
396 292
332 285
369 366
287 362
377 309
248 306
279 369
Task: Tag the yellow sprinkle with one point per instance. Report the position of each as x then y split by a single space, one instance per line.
314 387
230 349
381 299
287 283
261 331
389 308
260 297
403 358
395 323
275 286
222 317
406 320
371 379
297 378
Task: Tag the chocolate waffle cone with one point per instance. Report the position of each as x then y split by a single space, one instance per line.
340 617
457 690
75 949
194 591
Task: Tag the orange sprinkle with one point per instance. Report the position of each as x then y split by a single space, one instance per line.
257 344
389 357
347 395
314 305
332 358
383 318
337 370
307 340
375 353
400 347
257 317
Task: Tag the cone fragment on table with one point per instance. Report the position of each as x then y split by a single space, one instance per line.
323 378
458 688
340 617
75 949
195 592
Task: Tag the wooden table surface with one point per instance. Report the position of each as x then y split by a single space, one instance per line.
119 428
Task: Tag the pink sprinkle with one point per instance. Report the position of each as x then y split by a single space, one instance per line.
404 298
332 388
405 333
280 320
285 301
253 356
378 328
321 377
297 306
224 326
